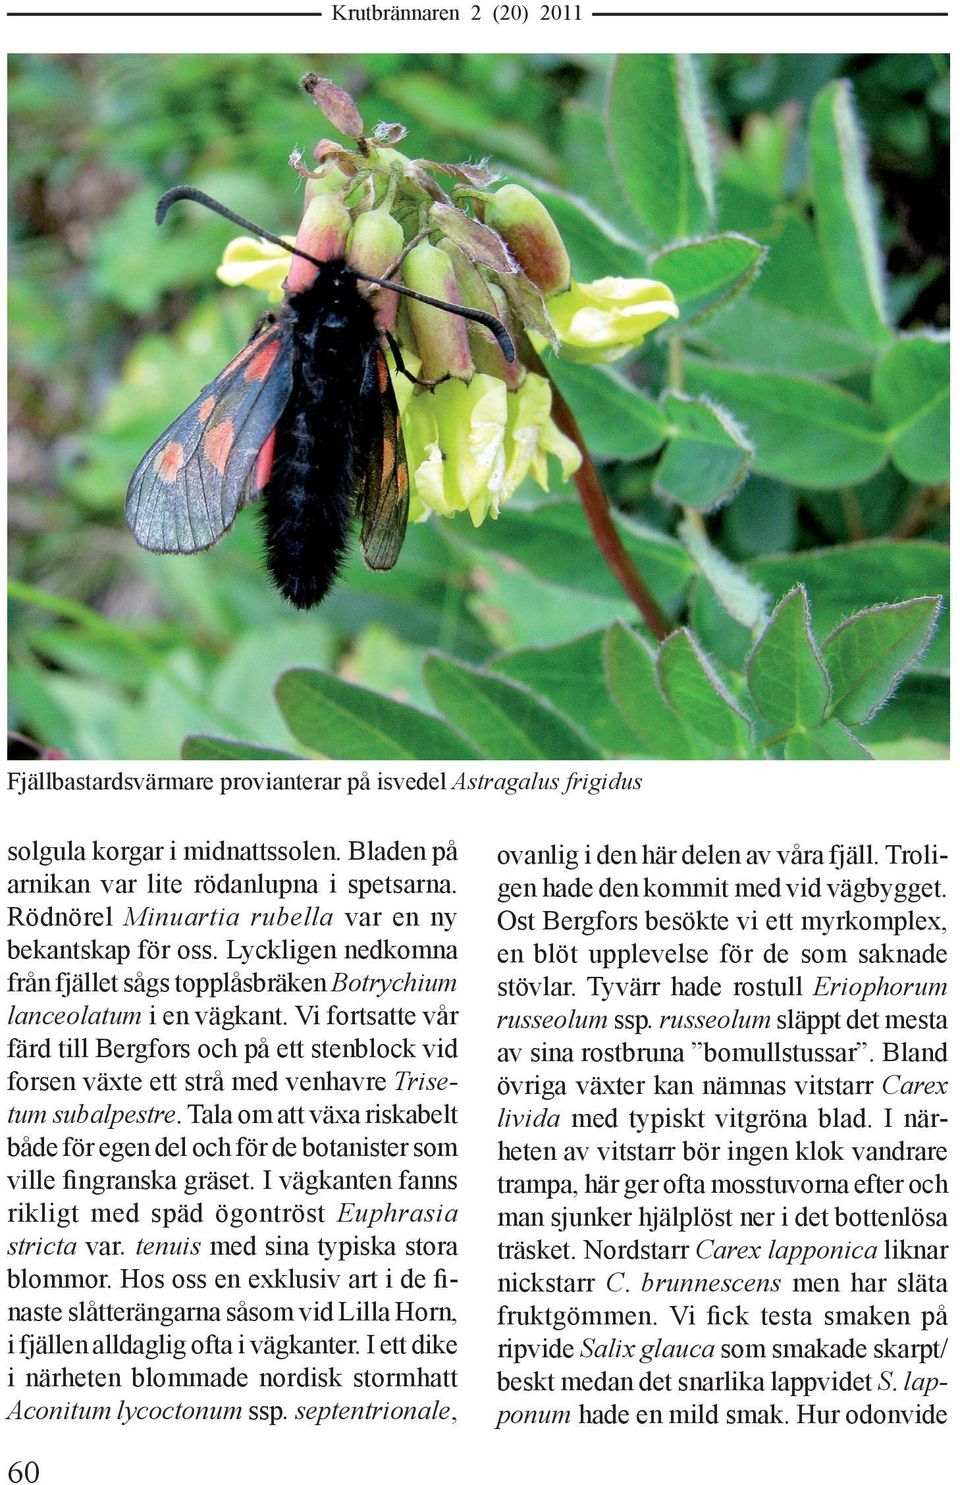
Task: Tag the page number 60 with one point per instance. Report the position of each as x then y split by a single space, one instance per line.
23 1472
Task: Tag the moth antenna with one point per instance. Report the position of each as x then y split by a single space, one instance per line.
190 193
480 315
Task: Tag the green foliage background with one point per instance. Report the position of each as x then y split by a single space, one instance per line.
516 634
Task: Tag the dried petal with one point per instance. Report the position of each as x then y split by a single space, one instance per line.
330 150
413 171
481 244
467 173
335 103
389 133
527 303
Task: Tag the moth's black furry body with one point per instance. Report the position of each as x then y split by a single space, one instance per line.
322 435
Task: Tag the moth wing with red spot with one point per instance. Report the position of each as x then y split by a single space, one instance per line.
383 499
187 489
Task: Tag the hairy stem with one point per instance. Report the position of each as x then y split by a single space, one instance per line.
605 534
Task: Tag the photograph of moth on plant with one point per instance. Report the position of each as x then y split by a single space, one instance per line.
402 407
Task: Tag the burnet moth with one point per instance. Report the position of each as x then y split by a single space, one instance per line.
304 418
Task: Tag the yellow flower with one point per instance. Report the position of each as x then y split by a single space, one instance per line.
257 264
603 320
470 445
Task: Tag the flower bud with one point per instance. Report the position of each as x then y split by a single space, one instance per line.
442 341
531 235
323 234
375 243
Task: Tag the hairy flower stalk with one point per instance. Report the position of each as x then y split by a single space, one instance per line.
475 425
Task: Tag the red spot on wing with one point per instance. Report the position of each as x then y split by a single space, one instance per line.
169 462
383 373
403 479
261 363
206 408
217 443
239 359
264 464
389 460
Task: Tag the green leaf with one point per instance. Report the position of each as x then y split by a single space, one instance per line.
242 688
571 676
844 212
584 143
743 599
726 641
919 711
708 273
382 662
223 749
631 671
830 740
503 718
554 542
840 580
659 144
707 456
518 609
762 519
790 321
804 432
868 653
759 334
785 674
617 421
334 718
911 387
697 694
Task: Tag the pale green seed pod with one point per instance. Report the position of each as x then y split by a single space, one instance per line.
374 245
442 342
531 235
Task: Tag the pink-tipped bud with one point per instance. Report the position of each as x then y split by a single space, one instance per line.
531 235
375 244
323 234
442 342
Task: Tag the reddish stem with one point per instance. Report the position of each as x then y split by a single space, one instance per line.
605 534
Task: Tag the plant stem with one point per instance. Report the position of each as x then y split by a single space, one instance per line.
597 511
913 522
853 515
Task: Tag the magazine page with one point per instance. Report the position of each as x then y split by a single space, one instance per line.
479 826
